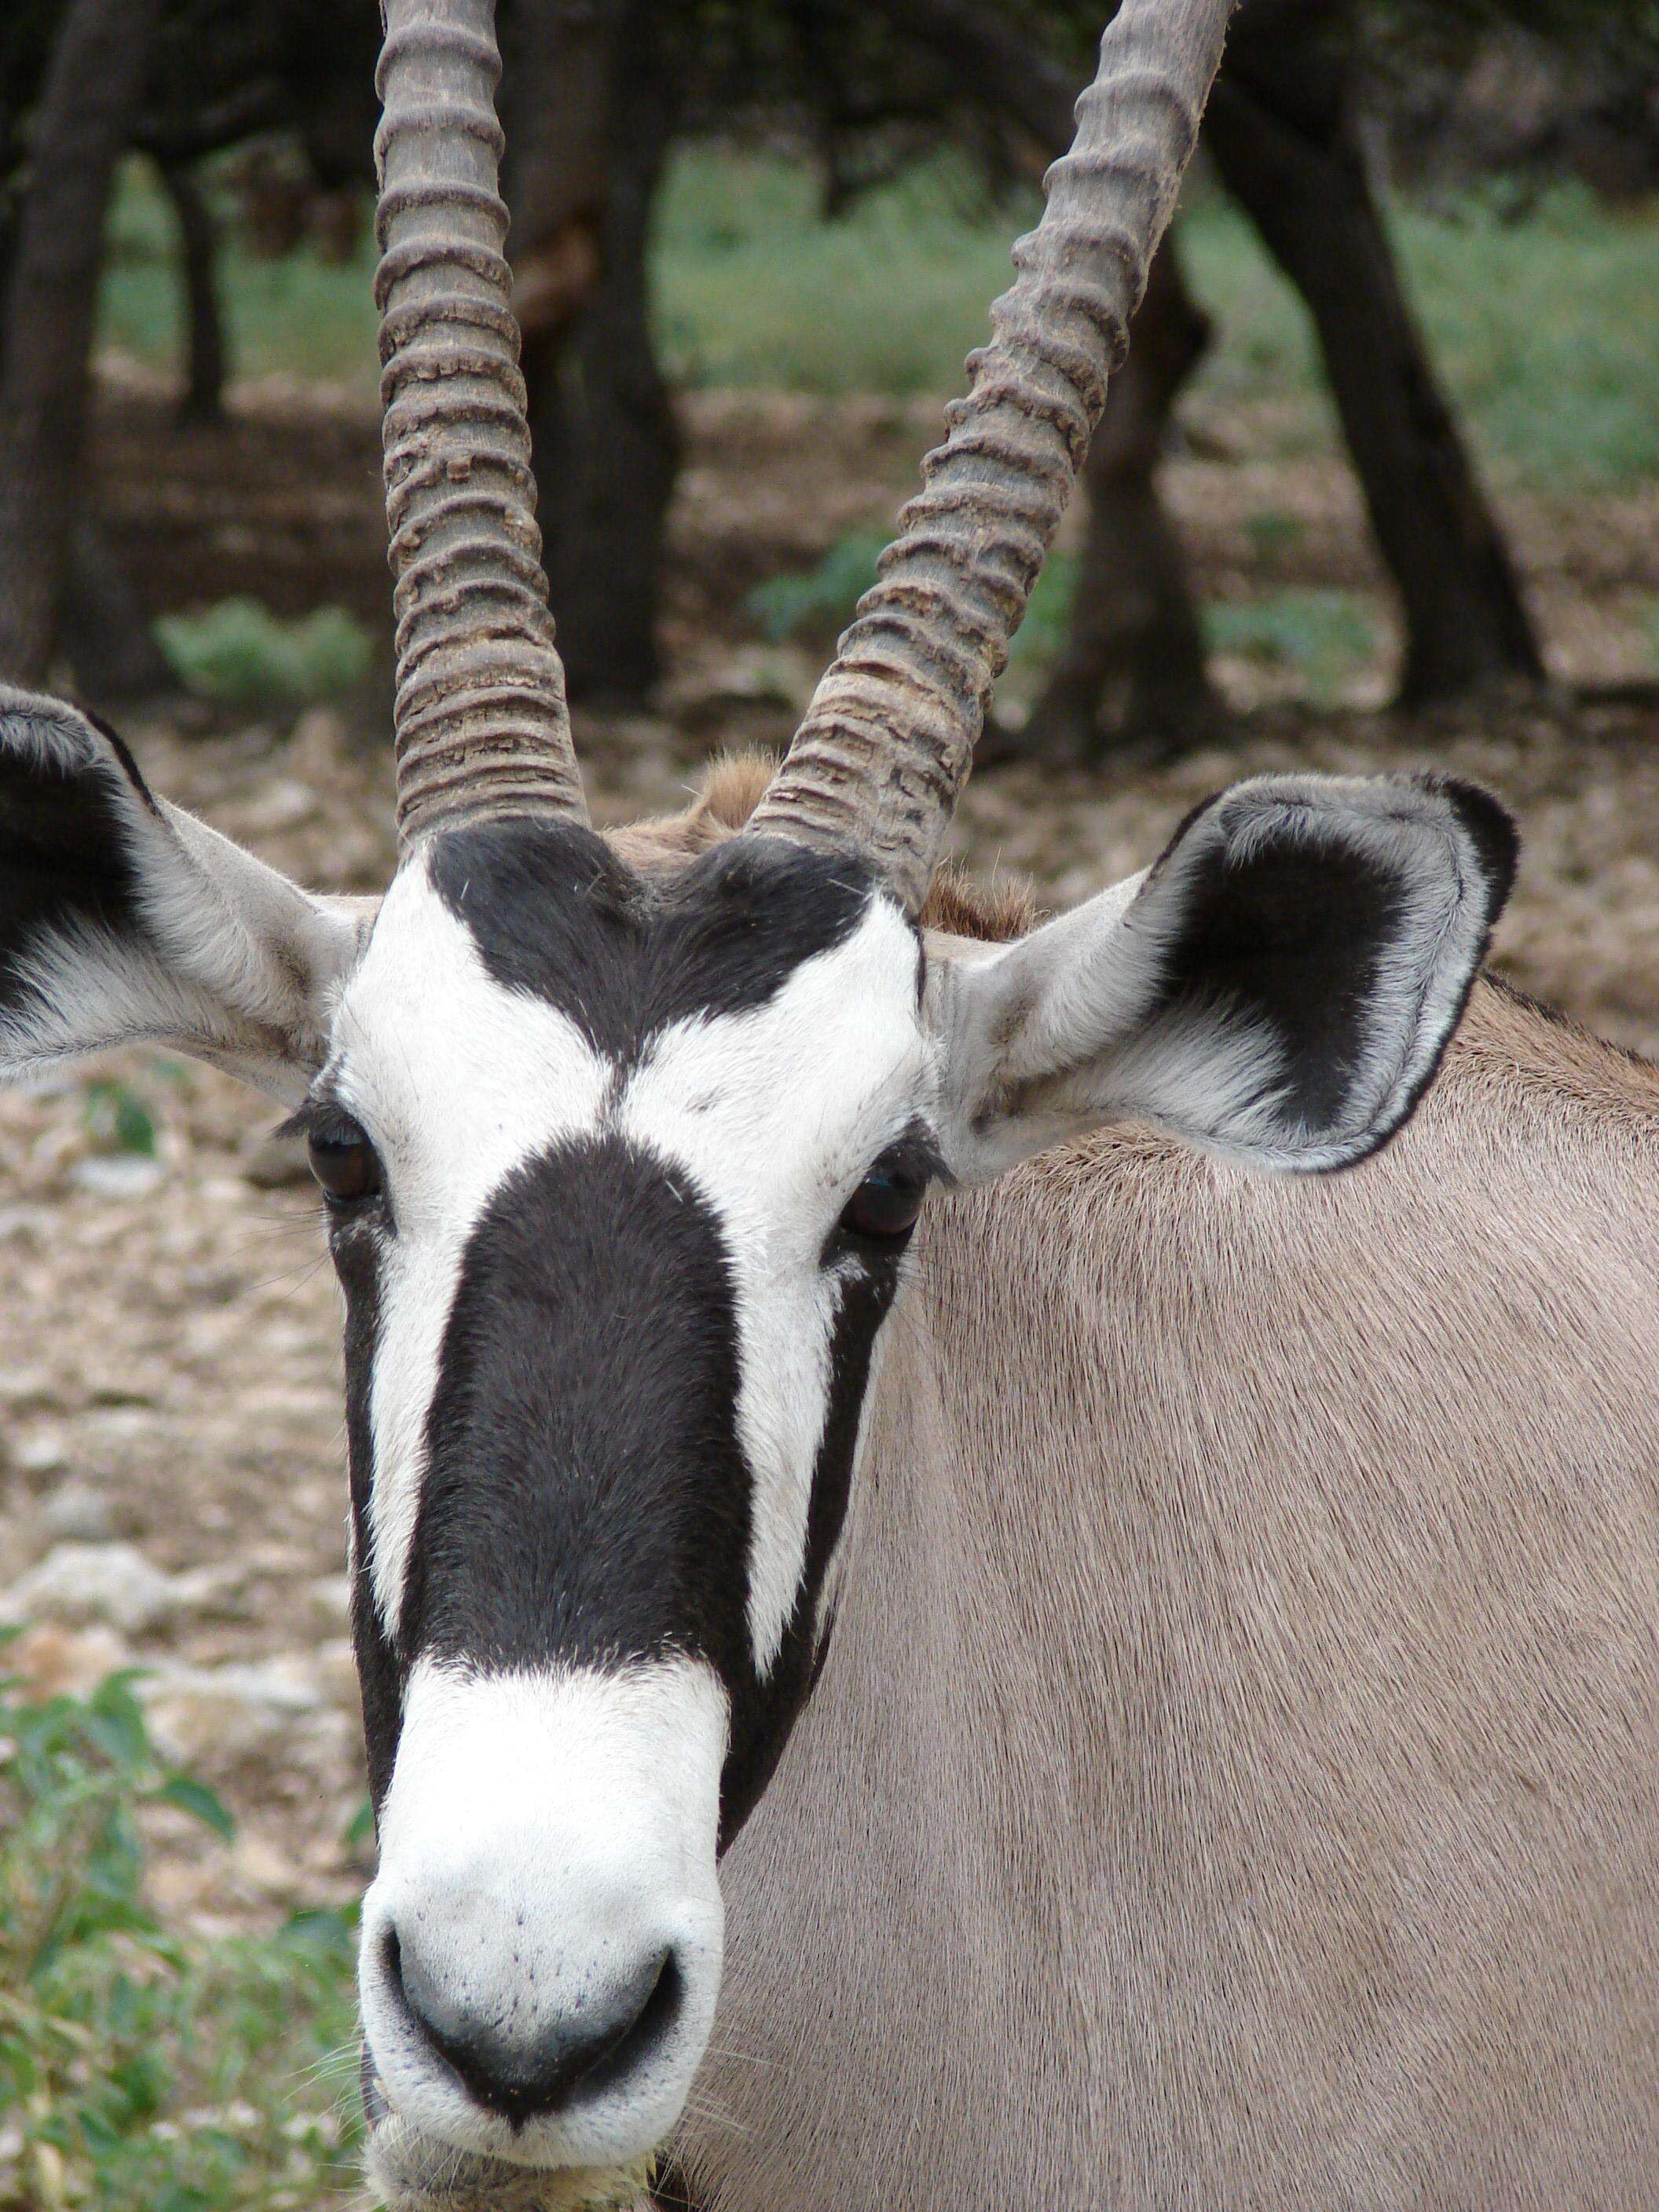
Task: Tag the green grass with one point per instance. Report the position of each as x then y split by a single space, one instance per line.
301 316
242 653
141 2069
754 288
1547 331
1326 636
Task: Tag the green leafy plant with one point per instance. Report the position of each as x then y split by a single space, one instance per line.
240 653
118 1119
141 2070
813 602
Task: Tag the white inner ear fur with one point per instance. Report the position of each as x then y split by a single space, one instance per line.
229 961
1060 1031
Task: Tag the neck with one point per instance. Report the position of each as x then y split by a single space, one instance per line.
1188 1494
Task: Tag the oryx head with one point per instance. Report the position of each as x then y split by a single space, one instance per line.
622 1154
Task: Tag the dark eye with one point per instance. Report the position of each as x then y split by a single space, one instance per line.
345 1165
885 1205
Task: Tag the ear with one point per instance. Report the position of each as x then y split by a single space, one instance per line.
123 919
1278 987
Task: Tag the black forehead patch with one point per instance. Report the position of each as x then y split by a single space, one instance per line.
554 912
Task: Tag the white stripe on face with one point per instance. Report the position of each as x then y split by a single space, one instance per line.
458 1081
777 1114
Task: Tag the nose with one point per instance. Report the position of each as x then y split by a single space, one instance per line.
524 2061
541 1947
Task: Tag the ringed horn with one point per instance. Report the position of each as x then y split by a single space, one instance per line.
482 725
885 748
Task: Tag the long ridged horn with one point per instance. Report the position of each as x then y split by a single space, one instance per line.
482 725
885 748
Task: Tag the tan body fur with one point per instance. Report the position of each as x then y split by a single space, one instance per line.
1234 1780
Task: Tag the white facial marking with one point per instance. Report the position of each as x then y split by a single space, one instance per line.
543 1832
458 1082
773 1114
776 1114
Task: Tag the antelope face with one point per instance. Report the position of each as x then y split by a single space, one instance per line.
620 1177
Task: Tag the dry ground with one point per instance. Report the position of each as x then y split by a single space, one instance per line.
169 1368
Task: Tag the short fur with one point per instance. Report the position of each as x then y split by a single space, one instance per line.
1232 1781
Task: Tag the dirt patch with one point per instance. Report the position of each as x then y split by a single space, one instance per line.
281 502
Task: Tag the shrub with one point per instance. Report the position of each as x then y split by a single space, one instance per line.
240 653
141 2069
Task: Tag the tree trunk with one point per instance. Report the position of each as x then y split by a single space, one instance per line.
204 387
1281 129
92 92
605 444
1132 670
103 630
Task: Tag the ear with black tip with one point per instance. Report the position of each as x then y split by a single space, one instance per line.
123 919
1278 987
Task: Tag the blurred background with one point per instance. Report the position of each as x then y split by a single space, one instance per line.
1378 484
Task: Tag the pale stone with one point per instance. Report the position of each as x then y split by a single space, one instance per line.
328 1601
229 1712
77 1512
53 1662
79 1583
42 1451
121 1176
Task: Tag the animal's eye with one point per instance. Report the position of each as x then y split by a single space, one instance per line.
885 1205
345 1165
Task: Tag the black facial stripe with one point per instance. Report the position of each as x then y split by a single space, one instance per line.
63 859
763 1713
554 912
586 1497
356 1261
1294 936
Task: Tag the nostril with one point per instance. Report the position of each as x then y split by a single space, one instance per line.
642 2036
529 2075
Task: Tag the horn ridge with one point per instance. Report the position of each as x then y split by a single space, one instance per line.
480 714
887 742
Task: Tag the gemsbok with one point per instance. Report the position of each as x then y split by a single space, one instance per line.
931 1636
